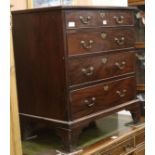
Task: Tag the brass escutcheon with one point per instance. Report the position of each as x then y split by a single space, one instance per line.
103 35
102 14
106 88
104 60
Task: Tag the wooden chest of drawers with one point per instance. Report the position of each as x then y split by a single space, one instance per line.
74 65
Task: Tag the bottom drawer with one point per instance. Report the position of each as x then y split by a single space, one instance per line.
102 96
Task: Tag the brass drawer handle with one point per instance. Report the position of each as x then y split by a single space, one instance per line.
87 45
90 103
127 147
121 65
119 41
121 93
119 19
88 71
85 20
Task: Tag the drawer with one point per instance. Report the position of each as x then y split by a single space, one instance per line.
140 138
121 148
124 148
99 40
140 150
101 96
91 68
93 18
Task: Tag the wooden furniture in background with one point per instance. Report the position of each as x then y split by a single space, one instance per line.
136 2
74 65
129 143
140 41
15 141
140 51
15 138
139 45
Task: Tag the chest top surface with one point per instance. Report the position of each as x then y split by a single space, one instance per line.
72 8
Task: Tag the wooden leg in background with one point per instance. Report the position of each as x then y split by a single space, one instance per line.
27 128
136 113
92 124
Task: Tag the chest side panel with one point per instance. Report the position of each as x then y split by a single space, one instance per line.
40 64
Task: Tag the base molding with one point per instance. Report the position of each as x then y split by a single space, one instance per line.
100 113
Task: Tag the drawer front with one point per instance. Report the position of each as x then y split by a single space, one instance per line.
102 96
92 18
140 150
140 138
87 69
87 41
124 148
119 149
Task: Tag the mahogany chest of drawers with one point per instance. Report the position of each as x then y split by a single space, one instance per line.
74 65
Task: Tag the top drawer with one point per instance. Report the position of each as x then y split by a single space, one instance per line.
101 18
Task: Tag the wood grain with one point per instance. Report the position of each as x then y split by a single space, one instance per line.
136 2
106 145
104 67
140 45
140 150
105 95
140 138
99 18
40 66
99 44
43 48
15 141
